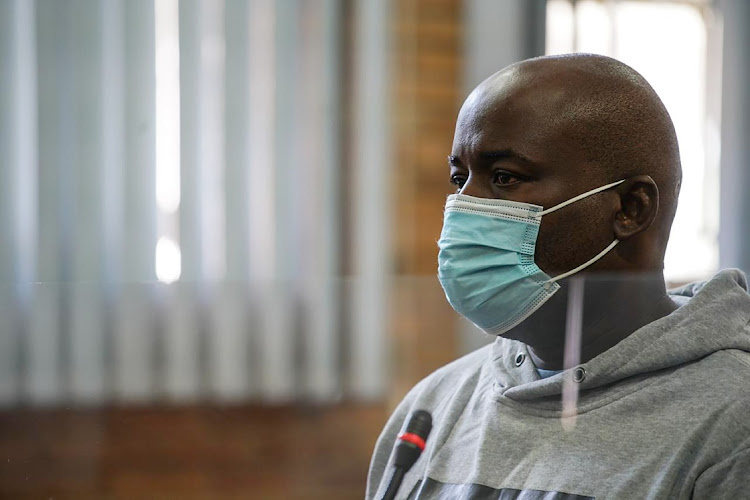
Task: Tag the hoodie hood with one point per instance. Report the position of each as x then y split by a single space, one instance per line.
713 316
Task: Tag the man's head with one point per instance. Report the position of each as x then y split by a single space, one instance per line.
547 129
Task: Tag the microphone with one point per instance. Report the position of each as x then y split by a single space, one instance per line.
409 446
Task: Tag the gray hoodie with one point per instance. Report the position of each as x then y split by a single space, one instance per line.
665 413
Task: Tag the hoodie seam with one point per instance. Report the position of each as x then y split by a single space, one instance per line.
606 400
736 356
723 462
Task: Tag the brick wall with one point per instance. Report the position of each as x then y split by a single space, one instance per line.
427 65
255 452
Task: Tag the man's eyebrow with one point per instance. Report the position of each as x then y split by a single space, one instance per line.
496 155
506 154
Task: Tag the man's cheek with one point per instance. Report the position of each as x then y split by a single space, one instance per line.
551 250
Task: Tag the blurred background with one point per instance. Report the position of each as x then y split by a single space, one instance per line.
218 220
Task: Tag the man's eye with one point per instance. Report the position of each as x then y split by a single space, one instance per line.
458 181
504 178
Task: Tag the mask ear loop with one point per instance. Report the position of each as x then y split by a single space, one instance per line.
538 215
601 254
587 264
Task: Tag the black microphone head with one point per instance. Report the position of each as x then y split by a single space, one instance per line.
411 442
420 423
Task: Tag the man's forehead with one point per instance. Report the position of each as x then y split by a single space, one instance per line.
492 92
514 118
520 87
522 107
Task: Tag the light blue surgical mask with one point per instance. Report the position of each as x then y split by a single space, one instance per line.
486 259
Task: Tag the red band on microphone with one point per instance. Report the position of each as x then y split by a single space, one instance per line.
413 439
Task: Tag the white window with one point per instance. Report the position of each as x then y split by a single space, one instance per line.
673 45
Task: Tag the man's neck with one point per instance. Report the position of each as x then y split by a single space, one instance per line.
611 308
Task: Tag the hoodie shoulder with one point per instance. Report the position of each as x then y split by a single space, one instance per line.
448 379
730 278
459 368
456 380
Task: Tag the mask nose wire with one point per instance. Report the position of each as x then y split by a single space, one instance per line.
539 215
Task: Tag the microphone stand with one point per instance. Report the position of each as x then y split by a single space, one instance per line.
395 484
409 446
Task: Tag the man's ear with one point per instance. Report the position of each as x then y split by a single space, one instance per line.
639 203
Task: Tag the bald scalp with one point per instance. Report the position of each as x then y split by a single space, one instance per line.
608 113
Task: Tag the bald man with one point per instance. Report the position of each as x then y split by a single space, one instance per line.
601 384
